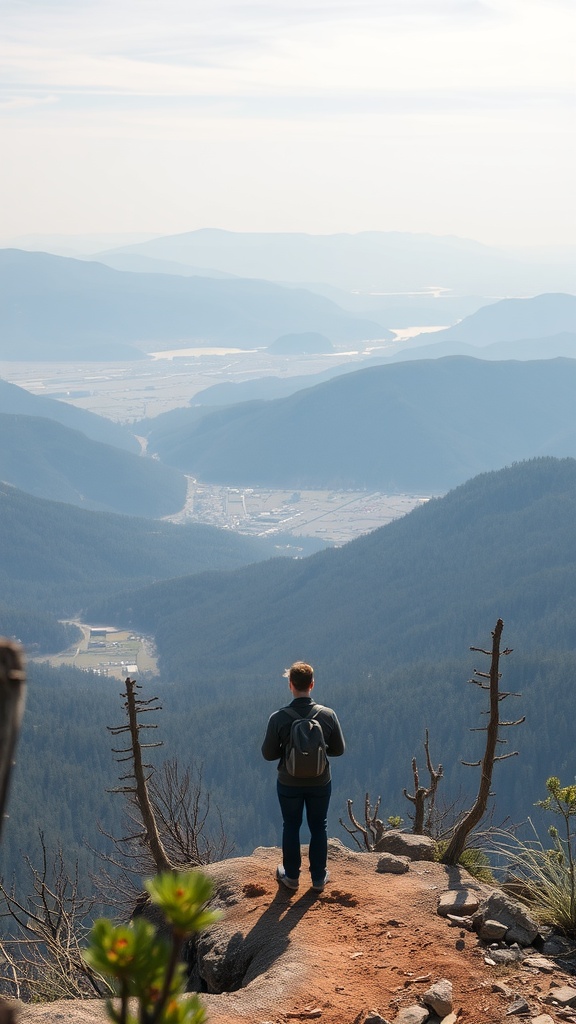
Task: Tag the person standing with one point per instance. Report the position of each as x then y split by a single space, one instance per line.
295 792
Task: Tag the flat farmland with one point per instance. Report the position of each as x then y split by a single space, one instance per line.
332 516
109 652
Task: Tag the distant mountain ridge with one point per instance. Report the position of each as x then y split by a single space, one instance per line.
511 320
368 261
419 427
59 308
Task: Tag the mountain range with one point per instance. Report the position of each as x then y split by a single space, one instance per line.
511 320
419 427
59 308
368 261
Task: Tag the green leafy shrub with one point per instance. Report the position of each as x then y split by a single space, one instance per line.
476 862
143 965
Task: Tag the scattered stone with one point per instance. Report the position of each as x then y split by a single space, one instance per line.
520 926
450 1019
519 1006
502 990
374 1017
392 865
406 844
505 956
559 945
439 997
542 1018
457 902
490 930
412 1015
540 962
563 995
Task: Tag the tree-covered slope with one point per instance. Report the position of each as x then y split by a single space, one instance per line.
387 621
52 461
424 426
22 403
501 545
55 556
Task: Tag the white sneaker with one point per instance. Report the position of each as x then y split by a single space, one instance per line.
282 877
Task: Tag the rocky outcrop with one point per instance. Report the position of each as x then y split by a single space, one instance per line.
371 948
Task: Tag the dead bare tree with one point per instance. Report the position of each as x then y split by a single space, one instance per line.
42 958
182 809
373 828
167 816
166 824
12 697
138 789
489 681
423 793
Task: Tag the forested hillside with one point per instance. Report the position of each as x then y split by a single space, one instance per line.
418 427
52 461
502 544
23 403
55 558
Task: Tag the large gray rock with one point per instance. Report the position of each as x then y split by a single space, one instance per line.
388 864
520 926
439 997
406 844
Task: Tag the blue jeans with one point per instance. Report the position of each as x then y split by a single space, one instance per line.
293 800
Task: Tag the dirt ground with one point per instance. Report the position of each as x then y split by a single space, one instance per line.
370 941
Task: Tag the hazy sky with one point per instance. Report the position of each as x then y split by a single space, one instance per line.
443 116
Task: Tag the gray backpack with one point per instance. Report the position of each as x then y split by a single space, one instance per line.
305 754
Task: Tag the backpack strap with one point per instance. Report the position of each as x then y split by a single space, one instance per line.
303 718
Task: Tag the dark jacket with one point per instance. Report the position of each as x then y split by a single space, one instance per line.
278 732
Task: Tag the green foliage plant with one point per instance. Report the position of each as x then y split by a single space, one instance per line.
561 800
475 860
544 877
143 965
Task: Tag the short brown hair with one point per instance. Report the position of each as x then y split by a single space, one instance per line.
301 675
